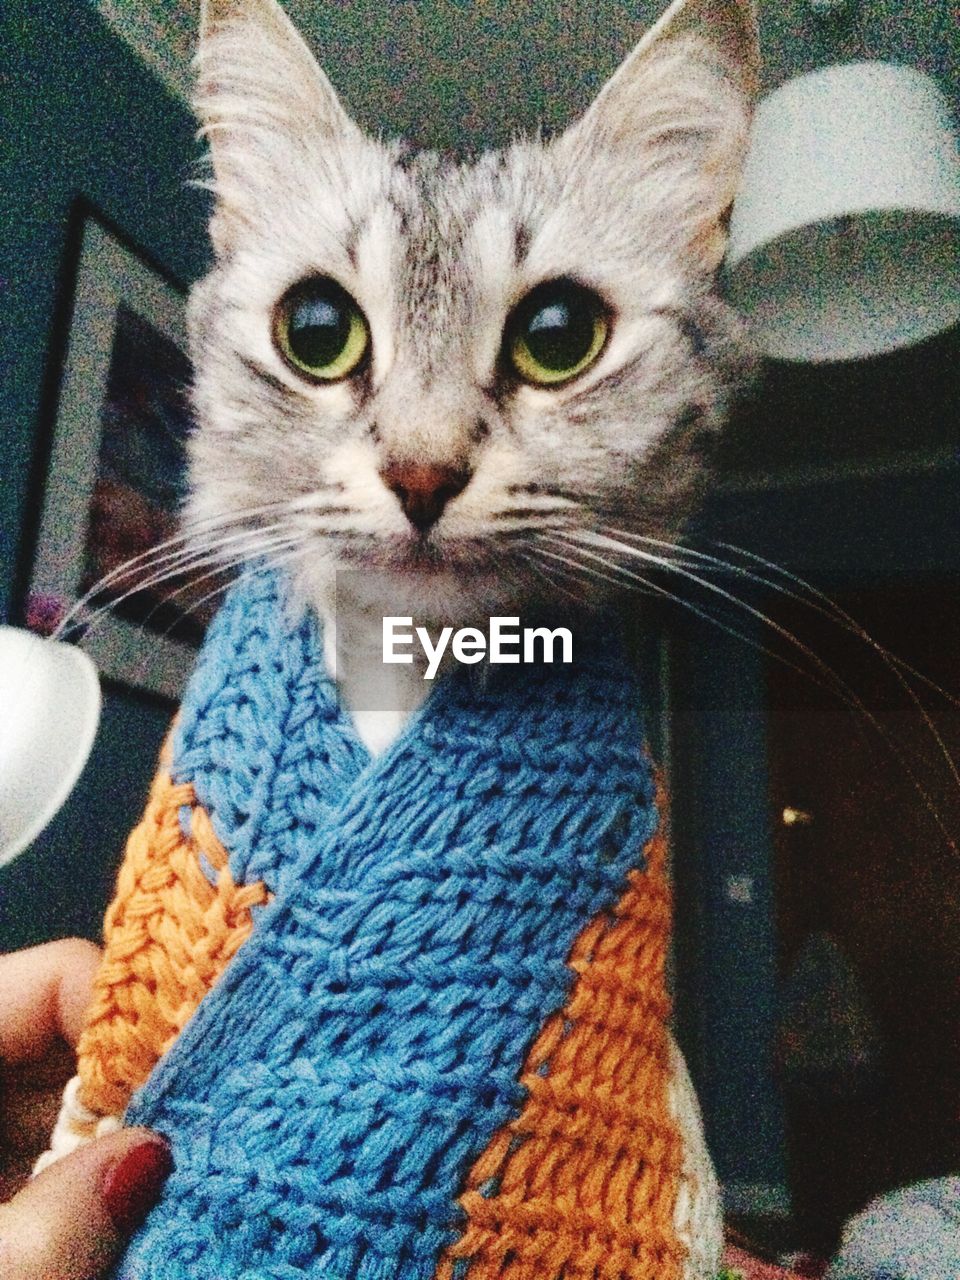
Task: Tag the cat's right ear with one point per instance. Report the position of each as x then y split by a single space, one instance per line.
265 108
674 118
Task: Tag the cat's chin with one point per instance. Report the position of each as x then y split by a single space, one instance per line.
434 592
439 583
432 595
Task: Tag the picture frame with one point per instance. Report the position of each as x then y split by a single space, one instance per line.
116 470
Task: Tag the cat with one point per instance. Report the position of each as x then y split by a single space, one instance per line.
430 458
475 387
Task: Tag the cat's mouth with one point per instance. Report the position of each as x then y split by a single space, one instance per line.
423 556
448 582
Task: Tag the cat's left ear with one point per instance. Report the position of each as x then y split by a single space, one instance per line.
676 116
264 105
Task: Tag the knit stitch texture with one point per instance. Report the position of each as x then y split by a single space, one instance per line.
367 1044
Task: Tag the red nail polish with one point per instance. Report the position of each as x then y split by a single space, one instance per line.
132 1186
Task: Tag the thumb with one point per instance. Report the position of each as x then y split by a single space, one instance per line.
71 1221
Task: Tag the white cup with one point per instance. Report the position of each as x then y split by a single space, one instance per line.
49 712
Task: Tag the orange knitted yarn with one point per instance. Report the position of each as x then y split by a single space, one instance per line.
584 1182
169 935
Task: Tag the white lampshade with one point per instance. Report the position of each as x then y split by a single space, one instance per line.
49 712
845 236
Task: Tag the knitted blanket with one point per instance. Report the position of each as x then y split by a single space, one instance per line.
442 1049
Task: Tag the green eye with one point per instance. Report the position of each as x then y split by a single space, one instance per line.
556 332
320 331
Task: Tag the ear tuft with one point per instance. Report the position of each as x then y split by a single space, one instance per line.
677 113
728 26
264 105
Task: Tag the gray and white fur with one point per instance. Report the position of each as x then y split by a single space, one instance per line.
631 201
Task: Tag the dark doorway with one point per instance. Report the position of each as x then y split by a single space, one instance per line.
864 858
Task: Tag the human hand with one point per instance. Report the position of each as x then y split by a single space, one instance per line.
71 1221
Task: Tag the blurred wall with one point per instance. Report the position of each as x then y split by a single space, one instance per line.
455 73
85 118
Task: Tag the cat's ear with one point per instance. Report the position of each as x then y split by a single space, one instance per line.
677 112
264 105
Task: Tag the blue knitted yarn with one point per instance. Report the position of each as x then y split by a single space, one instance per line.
261 734
330 1094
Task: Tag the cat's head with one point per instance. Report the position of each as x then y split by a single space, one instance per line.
463 376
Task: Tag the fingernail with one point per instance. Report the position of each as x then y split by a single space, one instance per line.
132 1186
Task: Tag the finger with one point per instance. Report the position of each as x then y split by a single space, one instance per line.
71 1221
31 1095
44 993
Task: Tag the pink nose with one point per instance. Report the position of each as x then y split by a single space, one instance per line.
424 489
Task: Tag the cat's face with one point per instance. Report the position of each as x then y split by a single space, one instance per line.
457 375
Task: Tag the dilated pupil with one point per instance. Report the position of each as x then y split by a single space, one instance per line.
317 331
560 334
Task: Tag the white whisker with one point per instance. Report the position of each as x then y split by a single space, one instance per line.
191 533
821 604
222 563
555 579
654 588
174 556
842 688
